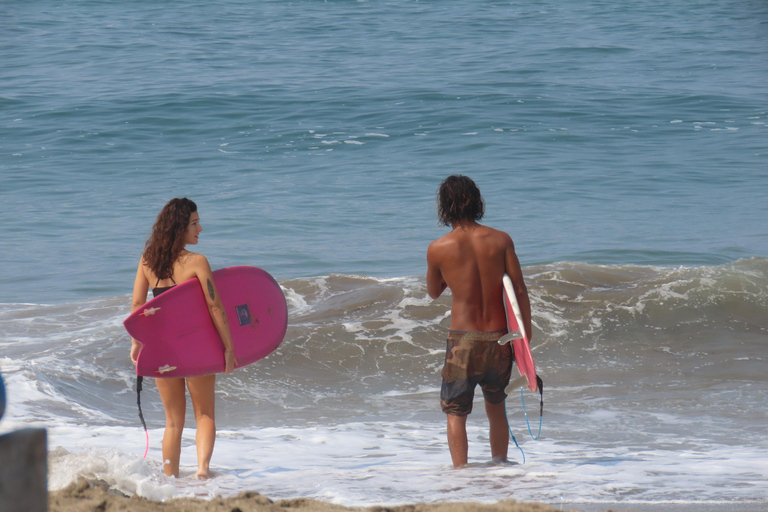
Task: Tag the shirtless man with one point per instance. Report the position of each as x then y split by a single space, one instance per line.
471 260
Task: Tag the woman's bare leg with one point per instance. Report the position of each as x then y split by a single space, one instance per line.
174 398
202 392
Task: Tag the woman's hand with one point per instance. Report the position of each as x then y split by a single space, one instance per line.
135 349
230 361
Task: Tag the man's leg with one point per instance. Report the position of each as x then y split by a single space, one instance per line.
499 432
457 439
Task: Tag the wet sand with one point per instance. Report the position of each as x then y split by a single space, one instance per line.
83 496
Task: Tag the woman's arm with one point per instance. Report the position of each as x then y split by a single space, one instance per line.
202 270
140 289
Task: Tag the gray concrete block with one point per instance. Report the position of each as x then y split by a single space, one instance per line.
24 471
2 396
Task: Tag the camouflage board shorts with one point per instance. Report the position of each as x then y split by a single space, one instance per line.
472 358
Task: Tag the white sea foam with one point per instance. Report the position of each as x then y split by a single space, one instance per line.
361 464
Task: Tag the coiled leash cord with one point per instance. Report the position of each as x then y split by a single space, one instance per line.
540 385
139 381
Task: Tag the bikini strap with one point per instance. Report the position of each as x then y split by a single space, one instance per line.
158 281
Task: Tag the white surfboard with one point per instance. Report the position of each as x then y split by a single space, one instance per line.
519 338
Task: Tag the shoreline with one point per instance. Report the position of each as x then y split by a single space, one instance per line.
95 496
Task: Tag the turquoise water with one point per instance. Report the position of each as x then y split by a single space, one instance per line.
313 135
622 145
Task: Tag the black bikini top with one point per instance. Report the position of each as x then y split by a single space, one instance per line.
157 290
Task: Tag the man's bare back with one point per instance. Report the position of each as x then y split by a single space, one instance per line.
471 260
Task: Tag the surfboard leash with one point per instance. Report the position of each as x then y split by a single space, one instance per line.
139 381
540 385
510 431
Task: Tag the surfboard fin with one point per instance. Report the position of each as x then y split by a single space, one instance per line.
166 368
510 336
521 381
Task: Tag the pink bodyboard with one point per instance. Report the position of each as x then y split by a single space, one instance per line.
179 338
516 327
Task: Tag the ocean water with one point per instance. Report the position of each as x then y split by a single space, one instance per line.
622 145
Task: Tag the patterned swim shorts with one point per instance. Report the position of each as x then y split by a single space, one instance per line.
473 358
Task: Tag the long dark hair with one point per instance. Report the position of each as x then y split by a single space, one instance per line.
168 235
459 199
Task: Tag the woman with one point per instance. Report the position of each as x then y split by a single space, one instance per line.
165 263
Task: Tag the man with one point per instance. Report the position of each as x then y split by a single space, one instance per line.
471 260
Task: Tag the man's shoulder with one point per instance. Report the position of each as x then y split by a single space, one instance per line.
495 234
440 245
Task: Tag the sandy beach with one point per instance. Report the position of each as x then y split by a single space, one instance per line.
84 496
93 496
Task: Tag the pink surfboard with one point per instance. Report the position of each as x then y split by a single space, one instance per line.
179 338
516 327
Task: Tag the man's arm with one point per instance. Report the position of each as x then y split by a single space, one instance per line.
515 273
435 282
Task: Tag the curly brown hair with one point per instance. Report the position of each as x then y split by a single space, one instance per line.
168 235
459 199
